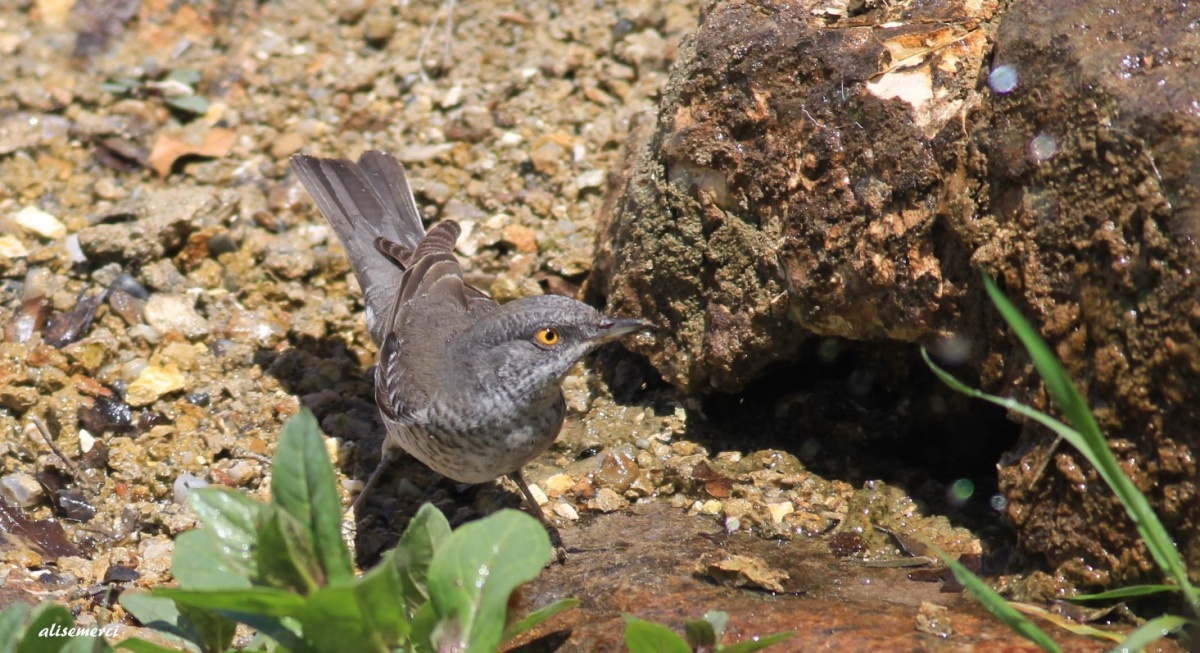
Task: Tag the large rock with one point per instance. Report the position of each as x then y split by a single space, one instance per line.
1089 210
817 174
791 187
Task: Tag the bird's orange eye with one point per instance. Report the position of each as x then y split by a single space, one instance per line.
546 336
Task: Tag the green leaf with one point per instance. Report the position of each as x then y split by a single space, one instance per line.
996 604
475 570
116 88
86 645
303 484
413 553
286 559
1151 632
362 617
757 644
201 561
719 621
220 554
266 601
1126 592
700 635
643 636
185 76
44 621
200 629
537 617
12 626
230 514
424 621
193 104
139 645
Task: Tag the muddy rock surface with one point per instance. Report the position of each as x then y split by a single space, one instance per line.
814 175
1090 219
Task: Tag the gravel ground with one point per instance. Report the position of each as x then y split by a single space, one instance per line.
170 296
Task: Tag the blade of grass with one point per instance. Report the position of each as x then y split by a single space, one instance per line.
1092 444
996 604
1125 593
1065 623
537 617
1150 632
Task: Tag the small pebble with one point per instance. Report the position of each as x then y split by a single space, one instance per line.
242 472
566 511
86 441
378 29
255 328
538 495
607 500
21 489
130 286
352 11
154 382
780 510
711 507
74 251
11 247
183 484
617 471
558 485
169 313
37 221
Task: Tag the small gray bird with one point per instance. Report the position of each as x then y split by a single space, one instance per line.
468 387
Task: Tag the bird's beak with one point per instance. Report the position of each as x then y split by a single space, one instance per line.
611 328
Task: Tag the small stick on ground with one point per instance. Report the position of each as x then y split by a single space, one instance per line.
67 462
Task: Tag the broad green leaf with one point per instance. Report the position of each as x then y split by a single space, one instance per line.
266 601
284 633
139 645
303 484
185 76
203 630
86 645
221 552
285 556
700 633
12 626
230 514
996 604
44 620
719 621
365 616
201 561
1132 591
193 104
1151 632
643 636
423 623
757 644
1087 438
413 553
537 617
475 570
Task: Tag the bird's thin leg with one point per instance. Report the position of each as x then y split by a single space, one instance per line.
555 539
387 457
